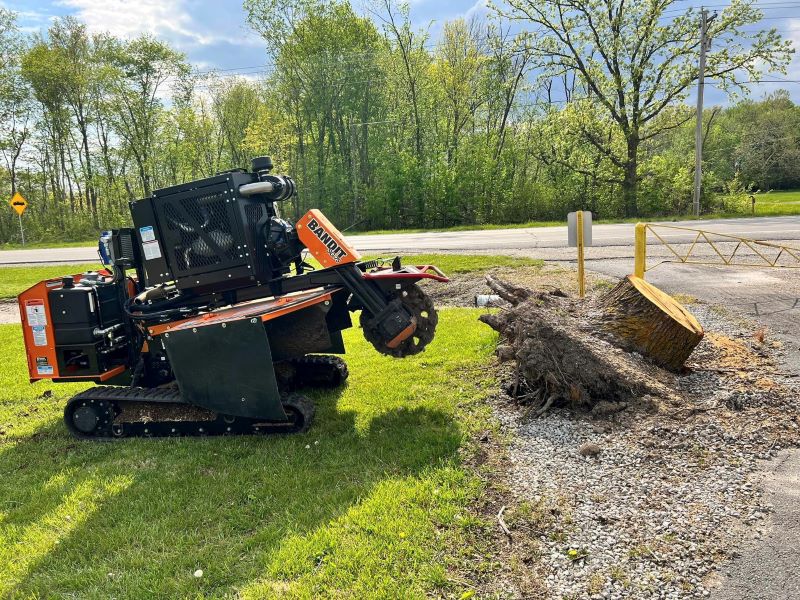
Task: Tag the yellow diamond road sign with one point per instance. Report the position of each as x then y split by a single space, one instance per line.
18 203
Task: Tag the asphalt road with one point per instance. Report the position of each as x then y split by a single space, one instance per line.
766 567
493 240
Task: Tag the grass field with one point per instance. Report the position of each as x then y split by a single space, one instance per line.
14 280
778 203
370 503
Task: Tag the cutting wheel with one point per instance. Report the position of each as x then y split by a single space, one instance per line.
420 305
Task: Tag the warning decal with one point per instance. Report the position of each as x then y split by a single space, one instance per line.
151 250
34 313
43 367
147 234
39 335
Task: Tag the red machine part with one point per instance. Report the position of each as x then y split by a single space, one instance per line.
409 272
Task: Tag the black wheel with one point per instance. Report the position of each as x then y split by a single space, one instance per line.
88 418
420 305
300 411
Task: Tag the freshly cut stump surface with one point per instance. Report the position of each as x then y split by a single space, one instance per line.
643 318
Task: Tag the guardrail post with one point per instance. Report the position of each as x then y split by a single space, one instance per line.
640 250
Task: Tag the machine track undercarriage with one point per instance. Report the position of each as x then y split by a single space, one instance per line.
113 412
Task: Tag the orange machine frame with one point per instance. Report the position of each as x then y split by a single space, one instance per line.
324 241
37 331
266 310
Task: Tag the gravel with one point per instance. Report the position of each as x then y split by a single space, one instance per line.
9 312
647 505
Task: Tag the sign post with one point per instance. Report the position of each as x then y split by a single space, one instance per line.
579 234
19 204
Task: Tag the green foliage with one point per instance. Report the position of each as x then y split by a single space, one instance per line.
382 129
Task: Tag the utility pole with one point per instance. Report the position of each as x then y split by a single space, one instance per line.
698 131
353 170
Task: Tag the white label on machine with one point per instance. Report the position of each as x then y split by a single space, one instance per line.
147 234
39 335
44 370
151 250
34 311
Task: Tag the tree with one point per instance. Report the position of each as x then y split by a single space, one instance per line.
76 83
768 151
16 106
328 80
141 68
633 61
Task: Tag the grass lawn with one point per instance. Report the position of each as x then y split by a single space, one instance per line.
14 280
778 203
468 263
370 503
34 245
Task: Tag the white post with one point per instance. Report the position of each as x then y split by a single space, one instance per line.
21 230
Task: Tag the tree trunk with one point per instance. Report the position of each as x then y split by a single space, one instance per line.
630 182
644 319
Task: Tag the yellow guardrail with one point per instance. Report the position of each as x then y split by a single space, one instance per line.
783 256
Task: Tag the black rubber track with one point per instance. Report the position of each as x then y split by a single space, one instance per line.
318 371
117 413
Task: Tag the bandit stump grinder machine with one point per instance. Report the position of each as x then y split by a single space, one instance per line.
207 319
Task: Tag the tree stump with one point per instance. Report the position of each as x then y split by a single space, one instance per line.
559 356
641 317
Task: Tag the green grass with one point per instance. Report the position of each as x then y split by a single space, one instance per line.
467 263
35 245
370 503
14 280
778 203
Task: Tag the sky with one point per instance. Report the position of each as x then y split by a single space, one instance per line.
214 34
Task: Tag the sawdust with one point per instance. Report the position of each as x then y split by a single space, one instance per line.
151 412
730 353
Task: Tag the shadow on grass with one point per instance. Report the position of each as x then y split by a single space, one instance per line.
135 518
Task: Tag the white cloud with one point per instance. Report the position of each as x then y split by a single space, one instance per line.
127 19
479 9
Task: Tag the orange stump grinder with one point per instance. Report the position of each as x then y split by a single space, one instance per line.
207 320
